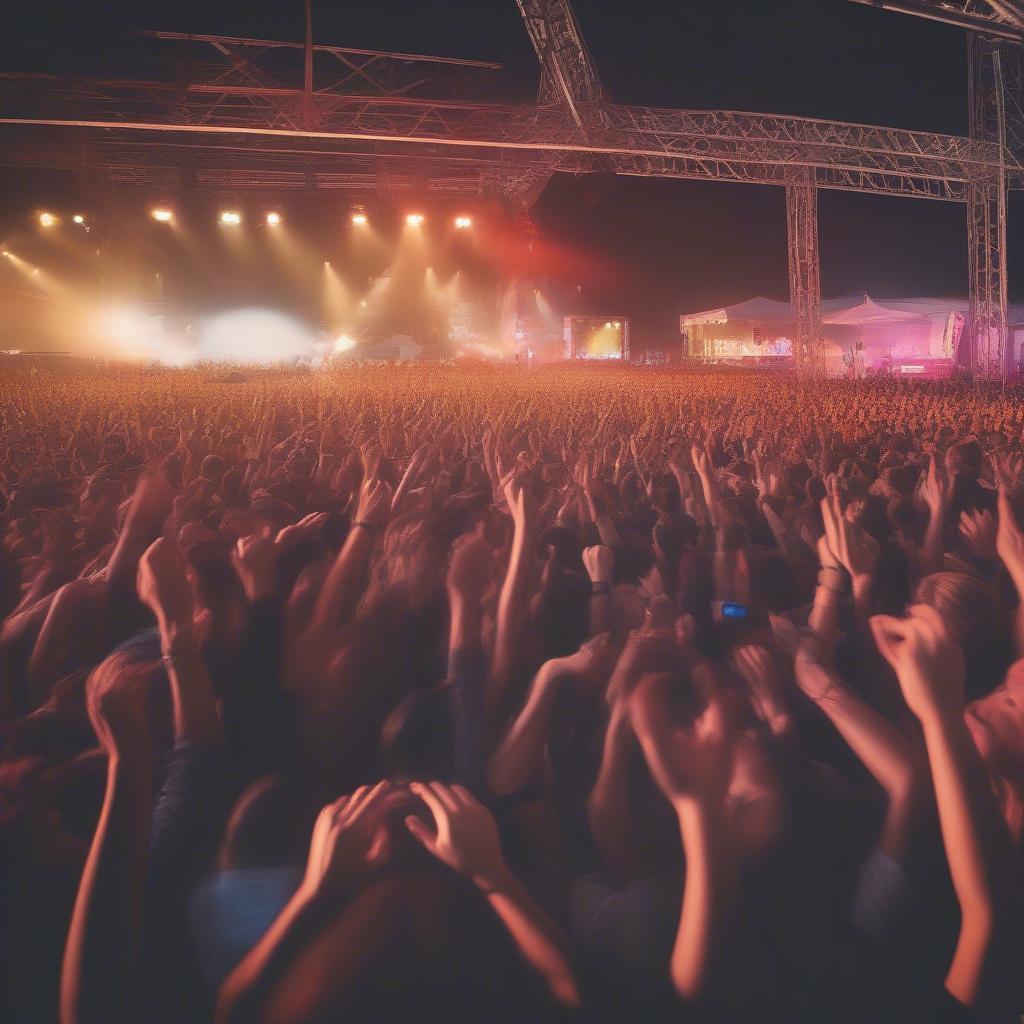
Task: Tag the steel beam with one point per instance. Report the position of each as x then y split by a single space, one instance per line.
994 18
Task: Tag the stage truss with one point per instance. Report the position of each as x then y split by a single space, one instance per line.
234 115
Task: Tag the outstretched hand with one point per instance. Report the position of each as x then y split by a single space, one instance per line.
464 836
348 840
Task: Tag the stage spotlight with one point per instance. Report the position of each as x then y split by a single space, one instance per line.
463 222
7 254
327 263
47 220
230 217
78 218
414 219
163 216
343 344
273 219
360 219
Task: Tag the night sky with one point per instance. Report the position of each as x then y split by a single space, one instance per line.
678 245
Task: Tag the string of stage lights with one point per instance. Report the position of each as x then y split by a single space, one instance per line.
233 218
353 282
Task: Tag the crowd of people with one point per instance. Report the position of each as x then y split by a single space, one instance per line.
398 693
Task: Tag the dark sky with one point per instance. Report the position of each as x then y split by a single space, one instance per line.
680 245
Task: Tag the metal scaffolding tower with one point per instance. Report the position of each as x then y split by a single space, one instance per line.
804 282
996 104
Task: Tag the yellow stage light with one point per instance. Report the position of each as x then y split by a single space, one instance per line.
78 218
463 222
360 219
47 220
230 217
273 219
414 219
163 216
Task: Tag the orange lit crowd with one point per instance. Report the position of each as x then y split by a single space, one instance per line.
429 693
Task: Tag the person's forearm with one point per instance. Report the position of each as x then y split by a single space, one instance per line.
518 760
602 612
608 803
192 695
932 548
534 933
343 580
511 604
885 754
97 977
824 619
977 848
256 970
702 919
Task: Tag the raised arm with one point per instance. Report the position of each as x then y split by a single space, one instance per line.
164 586
930 669
341 587
98 979
598 561
512 601
692 768
518 760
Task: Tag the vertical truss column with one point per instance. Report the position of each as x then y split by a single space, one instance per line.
804 280
986 217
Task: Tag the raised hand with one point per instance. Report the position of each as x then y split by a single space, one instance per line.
348 840
978 529
115 699
757 667
163 584
855 549
598 561
689 763
374 506
936 488
928 664
295 533
464 835
255 560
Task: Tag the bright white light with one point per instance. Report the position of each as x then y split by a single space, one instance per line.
164 216
360 219
254 336
463 222
414 219
230 217
273 219
7 254
78 218
343 344
47 220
